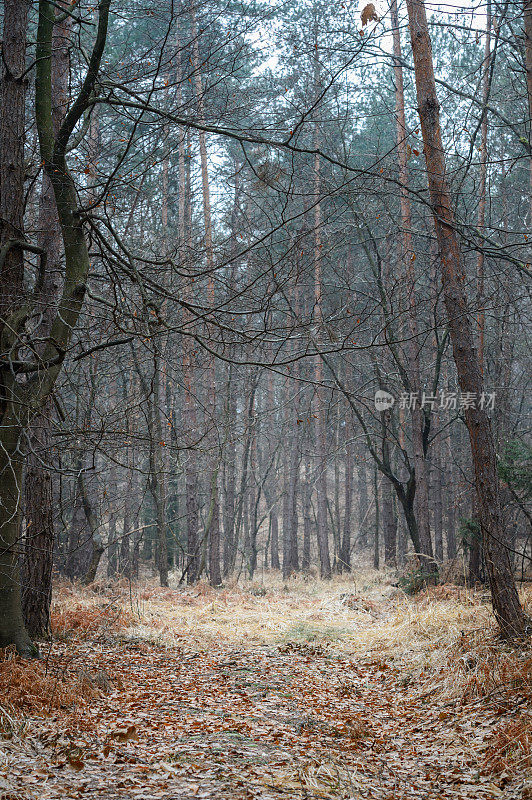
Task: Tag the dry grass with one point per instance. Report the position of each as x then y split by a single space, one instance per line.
86 613
363 614
86 621
443 639
57 681
510 746
36 687
441 644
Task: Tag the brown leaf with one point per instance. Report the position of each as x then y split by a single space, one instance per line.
369 14
125 734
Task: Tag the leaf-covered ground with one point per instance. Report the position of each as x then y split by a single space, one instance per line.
300 693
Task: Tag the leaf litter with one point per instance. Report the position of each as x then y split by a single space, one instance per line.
292 694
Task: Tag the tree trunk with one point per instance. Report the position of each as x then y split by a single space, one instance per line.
230 475
337 566
322 531
409 261
12 629
506 605
189 390
12 138
213 531
159 472
481 221
112 547
124 556
363 504
527 20
38 552
321 424
376 558
289 445
97 546
271 485
345 554
274 543
389 523
307 515
252 498
36 567
437 477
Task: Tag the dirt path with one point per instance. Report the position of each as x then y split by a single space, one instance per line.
297 720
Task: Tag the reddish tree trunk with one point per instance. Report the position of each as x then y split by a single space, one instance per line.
409 260
506 605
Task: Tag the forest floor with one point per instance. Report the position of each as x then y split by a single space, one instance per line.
347 689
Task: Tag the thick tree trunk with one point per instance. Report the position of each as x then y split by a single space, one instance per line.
506 605
13 85
39 542
12 137
36 567
12 629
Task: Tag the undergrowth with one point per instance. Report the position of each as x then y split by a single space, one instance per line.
36 687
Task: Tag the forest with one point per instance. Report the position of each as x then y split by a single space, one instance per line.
265 454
